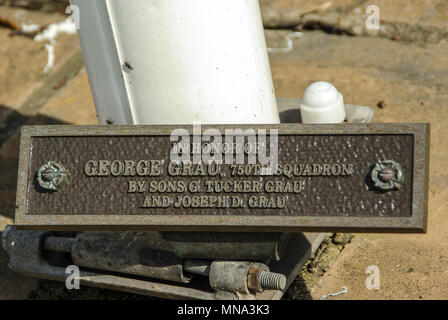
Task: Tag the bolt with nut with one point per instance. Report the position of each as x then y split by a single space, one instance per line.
259 279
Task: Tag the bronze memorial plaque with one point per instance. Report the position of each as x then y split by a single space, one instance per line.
288 177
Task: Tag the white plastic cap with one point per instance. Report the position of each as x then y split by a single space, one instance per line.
322 103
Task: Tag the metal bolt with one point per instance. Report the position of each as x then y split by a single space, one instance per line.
52 176
272 280
49 174
386 174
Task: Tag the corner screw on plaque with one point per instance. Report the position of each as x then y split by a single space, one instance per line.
387 175
52 176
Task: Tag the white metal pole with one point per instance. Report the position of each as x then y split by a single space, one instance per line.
177 61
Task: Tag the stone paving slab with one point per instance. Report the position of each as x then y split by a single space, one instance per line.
431 13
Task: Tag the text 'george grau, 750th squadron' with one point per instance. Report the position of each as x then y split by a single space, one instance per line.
225 191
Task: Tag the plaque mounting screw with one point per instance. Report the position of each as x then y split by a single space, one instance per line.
387 175
52 176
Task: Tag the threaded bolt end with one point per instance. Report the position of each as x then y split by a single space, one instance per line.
272 280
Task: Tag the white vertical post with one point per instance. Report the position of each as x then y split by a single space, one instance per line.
177 61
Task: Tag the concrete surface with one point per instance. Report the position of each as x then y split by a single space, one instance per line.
415 21
410 77
428 13
25 60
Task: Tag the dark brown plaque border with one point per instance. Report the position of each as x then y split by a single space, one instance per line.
416 223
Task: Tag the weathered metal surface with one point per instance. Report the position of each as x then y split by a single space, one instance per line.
231 276
26 251
125 253
223 245
345 201
26 257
